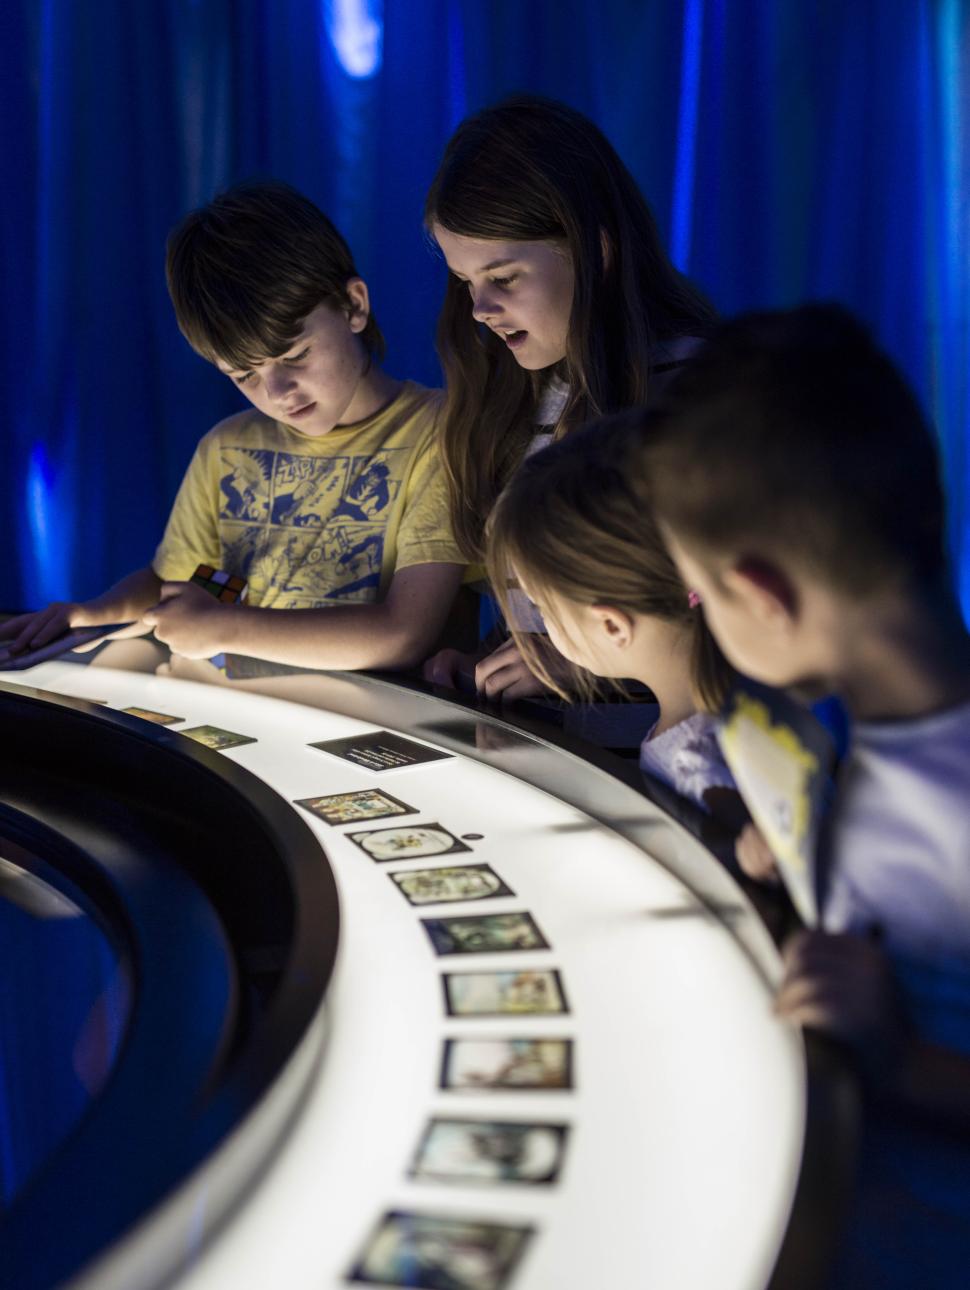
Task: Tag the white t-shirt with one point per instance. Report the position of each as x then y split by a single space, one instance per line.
897 857
552 404
687 757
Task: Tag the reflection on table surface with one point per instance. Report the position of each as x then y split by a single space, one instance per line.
63 1009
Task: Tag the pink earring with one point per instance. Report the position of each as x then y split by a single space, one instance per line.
693 599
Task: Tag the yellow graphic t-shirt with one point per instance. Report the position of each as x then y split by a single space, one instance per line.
311 521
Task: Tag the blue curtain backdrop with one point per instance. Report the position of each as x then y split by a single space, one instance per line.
808 149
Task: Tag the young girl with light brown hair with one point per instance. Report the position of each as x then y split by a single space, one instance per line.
574 530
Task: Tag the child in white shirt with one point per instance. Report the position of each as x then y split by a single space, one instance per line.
798 487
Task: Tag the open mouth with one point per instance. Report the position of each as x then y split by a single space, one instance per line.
515 338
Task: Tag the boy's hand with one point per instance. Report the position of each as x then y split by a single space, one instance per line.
31 631
842 985
188 620
754 855
28 631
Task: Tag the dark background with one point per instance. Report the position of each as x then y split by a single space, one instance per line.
805 149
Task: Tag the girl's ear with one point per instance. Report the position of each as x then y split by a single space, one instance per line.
615 624
358 310
765 590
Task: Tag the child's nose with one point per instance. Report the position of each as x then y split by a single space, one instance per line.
484 305
278 381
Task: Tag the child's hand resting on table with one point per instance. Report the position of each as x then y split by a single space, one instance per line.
503 674
40 627
123 603
453 669
30 630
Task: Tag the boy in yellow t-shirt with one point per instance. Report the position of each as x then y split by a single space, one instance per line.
327 496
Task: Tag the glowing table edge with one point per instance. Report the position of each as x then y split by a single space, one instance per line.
694 892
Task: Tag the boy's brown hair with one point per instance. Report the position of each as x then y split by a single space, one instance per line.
245 270
792 433
576 520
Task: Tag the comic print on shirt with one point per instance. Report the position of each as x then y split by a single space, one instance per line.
281 513
314 521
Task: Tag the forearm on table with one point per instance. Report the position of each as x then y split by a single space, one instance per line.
126 601
344 638
400 631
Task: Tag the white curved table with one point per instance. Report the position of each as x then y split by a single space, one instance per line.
685 1124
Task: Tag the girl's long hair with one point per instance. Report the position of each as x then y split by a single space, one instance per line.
530 169
576 521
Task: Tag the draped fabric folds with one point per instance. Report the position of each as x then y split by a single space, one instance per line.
807 150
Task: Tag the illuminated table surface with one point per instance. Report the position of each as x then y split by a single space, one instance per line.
686 1119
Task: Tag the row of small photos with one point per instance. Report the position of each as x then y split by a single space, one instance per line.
408 1248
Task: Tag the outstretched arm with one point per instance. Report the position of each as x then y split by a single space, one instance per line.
125 602
396 633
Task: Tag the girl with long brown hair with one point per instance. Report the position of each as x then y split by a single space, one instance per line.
561 306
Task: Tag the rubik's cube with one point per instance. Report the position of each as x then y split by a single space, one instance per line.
224 586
